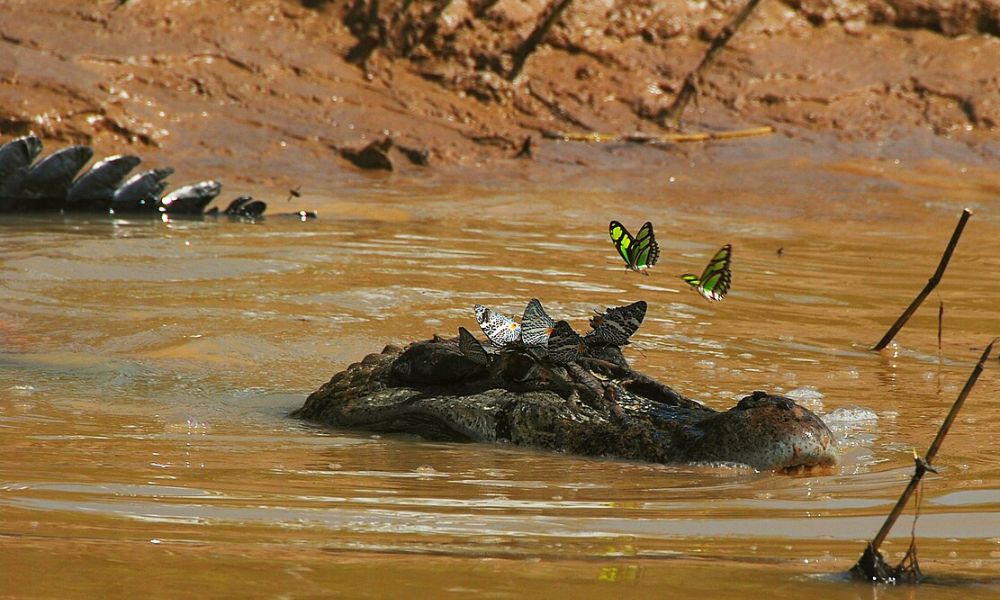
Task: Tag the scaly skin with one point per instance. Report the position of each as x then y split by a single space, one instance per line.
52 184
597 406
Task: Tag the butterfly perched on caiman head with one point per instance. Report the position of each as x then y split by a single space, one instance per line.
470 347
616 325
565 345
639 252
716 278
536 325
500 329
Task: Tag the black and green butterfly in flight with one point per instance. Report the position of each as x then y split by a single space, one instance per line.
639 252
716 278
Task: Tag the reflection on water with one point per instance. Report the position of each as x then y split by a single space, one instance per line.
147 368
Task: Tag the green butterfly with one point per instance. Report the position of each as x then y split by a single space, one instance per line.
714 281
639 252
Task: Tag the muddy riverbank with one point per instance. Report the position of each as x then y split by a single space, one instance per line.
272 92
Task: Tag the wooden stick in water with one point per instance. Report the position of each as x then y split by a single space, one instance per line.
940 321
931 284
922 466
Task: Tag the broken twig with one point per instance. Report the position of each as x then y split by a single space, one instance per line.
931 284
871 566
643 138
671 117
525 151
557 109
536 37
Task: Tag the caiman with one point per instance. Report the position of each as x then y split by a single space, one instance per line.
590 402
51 184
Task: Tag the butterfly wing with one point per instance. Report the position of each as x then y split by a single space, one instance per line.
565 345
639 252
617 324
692 280
716 278
623 241
470 347
597 320
536 325
645 251
499 329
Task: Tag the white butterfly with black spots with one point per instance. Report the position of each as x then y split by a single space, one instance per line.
499 329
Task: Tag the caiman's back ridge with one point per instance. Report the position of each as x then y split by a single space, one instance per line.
52 184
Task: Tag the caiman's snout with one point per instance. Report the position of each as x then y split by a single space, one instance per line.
768 433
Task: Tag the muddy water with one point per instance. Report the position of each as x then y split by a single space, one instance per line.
147 368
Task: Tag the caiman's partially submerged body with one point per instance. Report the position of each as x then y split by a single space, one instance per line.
595 405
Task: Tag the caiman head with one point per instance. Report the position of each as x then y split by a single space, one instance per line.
541 384
614 410
766 432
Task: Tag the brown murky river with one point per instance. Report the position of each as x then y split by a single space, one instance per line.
147 369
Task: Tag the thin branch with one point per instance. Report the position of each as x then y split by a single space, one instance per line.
931 284
672 116
862 568
661 138
556 109
940 321
536 36
943 431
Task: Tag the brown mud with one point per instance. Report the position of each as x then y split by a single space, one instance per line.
285 92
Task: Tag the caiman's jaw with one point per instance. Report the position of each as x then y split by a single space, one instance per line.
767 433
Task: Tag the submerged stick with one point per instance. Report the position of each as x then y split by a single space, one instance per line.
940 321
871 565
672 116
931 284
